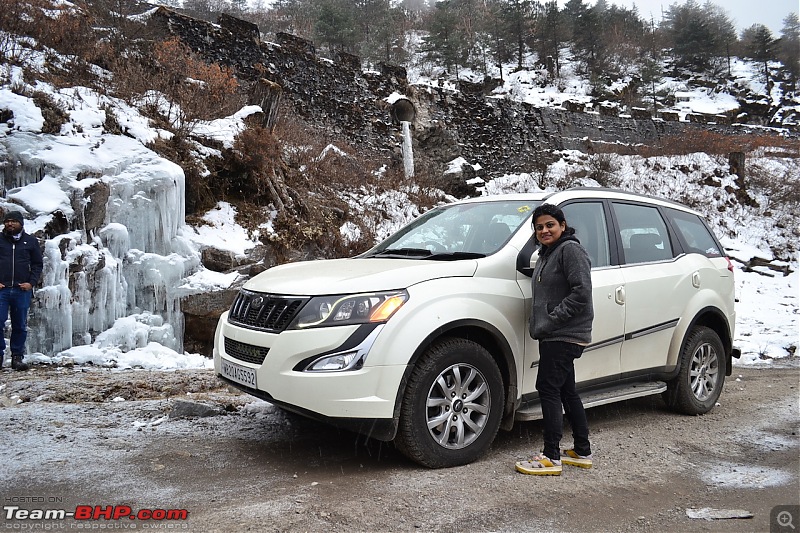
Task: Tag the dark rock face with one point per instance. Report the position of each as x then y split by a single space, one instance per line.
200 315
94 212
500 135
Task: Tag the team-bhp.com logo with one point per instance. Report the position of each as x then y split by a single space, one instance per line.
94 512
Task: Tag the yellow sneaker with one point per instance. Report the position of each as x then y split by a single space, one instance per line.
570 457
539 465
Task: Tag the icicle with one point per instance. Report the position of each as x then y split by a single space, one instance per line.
408 152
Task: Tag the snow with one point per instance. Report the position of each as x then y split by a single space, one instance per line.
767 316
42 197
27 117
222 231
456 165
151 256
226 129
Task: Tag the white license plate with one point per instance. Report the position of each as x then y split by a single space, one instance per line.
239 374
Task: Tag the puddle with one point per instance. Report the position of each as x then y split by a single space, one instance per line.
730 475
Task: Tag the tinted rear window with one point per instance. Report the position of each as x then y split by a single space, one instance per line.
694 234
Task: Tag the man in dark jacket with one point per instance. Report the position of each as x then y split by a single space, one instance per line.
20 267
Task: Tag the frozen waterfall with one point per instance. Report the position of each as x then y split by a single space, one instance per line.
128 266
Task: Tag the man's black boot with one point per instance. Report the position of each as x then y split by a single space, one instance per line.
17 364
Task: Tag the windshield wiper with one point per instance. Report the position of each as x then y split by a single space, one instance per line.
455 256
406 252
427 254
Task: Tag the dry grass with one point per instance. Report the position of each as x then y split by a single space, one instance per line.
711 142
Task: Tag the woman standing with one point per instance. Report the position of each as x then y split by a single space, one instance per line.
561 321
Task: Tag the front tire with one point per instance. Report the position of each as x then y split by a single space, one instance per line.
702 373
452 405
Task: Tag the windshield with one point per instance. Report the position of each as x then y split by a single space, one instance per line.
458 231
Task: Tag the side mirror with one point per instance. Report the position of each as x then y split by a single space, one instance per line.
527 257
534 259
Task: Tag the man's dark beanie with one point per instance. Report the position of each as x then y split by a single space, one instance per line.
14 215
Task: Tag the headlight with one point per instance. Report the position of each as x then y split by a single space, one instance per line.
342 361
347 309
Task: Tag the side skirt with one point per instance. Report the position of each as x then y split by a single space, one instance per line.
593 398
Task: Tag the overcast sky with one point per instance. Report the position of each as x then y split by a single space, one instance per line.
744 13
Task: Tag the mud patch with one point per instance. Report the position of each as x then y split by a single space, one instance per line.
88 384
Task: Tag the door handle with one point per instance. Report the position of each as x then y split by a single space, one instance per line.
696 279
619 295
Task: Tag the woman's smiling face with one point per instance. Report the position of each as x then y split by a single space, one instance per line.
548 229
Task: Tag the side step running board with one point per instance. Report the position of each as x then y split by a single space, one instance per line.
599 397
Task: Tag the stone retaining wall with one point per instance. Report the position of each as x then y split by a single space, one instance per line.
500 135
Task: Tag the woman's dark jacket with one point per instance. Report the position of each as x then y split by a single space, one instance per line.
20 261
562 293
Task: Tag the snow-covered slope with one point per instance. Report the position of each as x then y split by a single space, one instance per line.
123 310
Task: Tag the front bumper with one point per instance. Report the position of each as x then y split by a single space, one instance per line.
383 429
366 395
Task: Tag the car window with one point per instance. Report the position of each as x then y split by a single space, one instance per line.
695 235
589 222
643 233
472 228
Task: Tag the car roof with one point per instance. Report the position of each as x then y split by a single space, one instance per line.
522 197
558 197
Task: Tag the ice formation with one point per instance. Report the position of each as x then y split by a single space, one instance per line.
129 267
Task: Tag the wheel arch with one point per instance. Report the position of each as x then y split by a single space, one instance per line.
484 334
714 319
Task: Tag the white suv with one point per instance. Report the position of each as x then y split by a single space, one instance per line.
424 338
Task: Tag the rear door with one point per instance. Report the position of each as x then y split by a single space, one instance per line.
657 286
712 272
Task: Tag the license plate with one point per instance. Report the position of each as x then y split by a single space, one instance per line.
239 374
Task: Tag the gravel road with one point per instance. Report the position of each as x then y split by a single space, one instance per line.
118 439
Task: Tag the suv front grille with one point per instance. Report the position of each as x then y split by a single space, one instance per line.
245 352
265 312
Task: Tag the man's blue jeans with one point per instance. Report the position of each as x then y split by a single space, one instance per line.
556 385
18 302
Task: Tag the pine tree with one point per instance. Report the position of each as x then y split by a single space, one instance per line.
550 36
587 42
789 47
335 26
698 36
723 33
651 74
381 30
760 45
444 44
624 38
513 20
295 16
570 14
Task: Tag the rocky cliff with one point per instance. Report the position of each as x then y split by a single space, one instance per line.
497 135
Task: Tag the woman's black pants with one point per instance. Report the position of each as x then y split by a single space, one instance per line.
556 385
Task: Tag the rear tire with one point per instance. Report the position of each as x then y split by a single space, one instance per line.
452 405
699 383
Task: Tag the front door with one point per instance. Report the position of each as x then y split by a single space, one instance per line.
601 359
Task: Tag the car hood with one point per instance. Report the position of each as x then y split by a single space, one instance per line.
339 276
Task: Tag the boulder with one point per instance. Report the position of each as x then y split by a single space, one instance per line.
200 315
